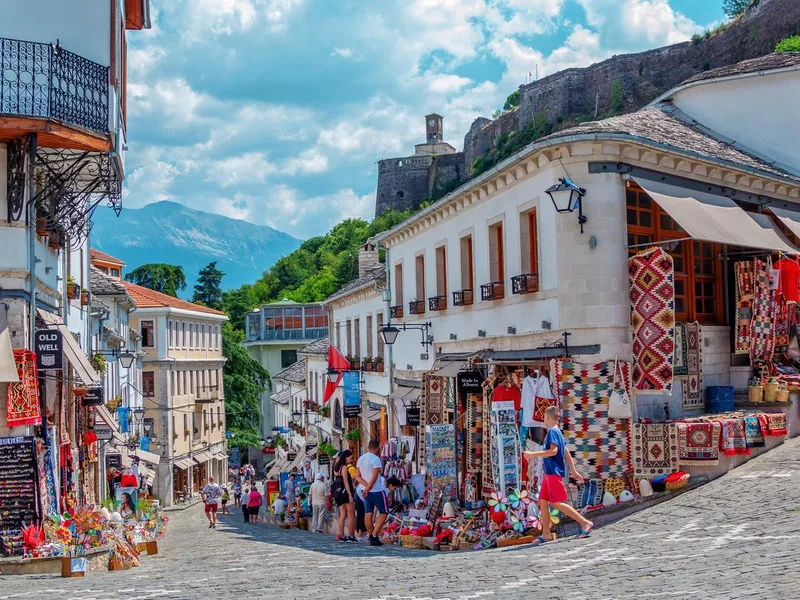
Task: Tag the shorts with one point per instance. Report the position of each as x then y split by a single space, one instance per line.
211 508
553 489
224 503
376 500
253 510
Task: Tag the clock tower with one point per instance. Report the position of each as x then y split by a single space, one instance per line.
434 129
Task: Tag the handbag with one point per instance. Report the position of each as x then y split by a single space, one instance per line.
619 404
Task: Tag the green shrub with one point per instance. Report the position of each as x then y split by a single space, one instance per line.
789 44
696 39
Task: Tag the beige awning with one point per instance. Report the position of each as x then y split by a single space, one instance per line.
184 463
8 366
400 392
221 456
448 369
75 355
148 474
202 457
719 219
789 218
147 456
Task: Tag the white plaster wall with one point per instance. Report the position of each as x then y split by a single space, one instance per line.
752 111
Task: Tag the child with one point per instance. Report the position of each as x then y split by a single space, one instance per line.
552 492
225 498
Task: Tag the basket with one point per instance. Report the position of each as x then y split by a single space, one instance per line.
770 391
782 395
678 483
411 541
755 394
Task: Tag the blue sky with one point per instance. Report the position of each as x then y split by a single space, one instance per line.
275 111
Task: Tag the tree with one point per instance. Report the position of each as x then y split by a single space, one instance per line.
244 379
207 290
512 100
161 277
789 44
734 8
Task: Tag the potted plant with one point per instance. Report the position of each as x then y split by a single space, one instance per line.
112 403
378 362
72 288
280 442
54 240
80 391
325 411
353 360
354 435
368 363
41 223
99 363
84 297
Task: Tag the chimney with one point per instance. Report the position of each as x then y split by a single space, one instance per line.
367 258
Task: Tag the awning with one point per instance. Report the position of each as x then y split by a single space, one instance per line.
448 369
202 457
8 366
789 218
109 420
401 391
148 474
719 219
221 456
147 456
282 397
403 397
73 351
184 463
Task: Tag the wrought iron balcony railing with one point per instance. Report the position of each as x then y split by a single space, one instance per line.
525 284
463 297
45 81
493 291
396 312
437 303
416 307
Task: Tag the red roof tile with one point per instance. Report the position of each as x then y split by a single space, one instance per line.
147 298
96 254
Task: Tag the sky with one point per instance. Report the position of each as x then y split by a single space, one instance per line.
276 111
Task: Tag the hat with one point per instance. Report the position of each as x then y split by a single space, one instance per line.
320 476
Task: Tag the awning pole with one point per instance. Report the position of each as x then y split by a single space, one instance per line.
648 244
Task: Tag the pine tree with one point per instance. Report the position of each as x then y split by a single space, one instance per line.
161 277
208 288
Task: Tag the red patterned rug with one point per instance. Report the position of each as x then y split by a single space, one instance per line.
654 449
733 440
762 325
698 443
652 282
22 401
693 384
773 424
744 305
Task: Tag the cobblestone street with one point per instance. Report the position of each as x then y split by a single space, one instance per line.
736 537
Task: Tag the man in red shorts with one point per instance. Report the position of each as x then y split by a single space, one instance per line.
211 496
552 492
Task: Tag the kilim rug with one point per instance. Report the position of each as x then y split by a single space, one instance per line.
733 440
698 443
679 365
590 493
433 395
599 444
744 305
752 432
693 384
773 424
654 449
22 399
762 333
652 281
615 486
784 320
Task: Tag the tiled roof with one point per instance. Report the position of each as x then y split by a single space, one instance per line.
768 62
318 347
147 298
96 254
103 285
376 275
657 125
295 373
282 397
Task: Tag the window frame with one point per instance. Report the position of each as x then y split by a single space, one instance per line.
149 381
152 328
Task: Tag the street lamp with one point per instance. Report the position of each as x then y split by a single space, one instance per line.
138 414
566 197
333 375
390 332
126 359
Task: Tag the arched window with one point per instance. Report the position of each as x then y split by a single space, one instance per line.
337 414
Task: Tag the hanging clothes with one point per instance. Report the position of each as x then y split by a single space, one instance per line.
544 398
528 397
788 279
507 392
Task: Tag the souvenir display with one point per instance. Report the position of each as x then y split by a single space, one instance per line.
441 459
505 446
19 502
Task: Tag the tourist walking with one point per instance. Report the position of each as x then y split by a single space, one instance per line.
254 504
211 494
373 490
343 491
290 490
317 498
245 508
237 492
225 498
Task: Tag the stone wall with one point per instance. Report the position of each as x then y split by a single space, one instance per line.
482 135
445 169
402 183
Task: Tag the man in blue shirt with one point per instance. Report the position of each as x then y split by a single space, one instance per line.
552 492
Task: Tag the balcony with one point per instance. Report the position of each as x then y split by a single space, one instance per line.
463 297
437 303
277 335
416 307
44 81
207 394
525 284
493 291
396 312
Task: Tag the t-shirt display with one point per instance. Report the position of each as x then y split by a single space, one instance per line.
789 279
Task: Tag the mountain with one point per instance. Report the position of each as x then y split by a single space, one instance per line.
167 232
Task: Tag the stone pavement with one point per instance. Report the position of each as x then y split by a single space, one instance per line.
737 537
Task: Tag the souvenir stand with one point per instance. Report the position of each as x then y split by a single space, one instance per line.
19 496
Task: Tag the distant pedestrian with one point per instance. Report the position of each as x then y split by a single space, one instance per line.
308 473
373 490
237 492
343 491
290 490
317 499
245 508
211 494
279 507
254 504
225 498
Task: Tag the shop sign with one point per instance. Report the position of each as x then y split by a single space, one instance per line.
470 382
323 459
375 406
113 461
49 348
351 382
412 416
103 432
93 397
291 456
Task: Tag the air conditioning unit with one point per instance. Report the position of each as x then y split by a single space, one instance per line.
453 336
481 333
546 325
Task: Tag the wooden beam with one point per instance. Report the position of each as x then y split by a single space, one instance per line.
54 135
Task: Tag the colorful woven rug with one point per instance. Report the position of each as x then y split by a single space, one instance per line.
433 396
599 444
733 440
744 305
654 449
762 325
773 424
752 432
693 384
698 443
652 281
784 319
590 493
22 399
679 364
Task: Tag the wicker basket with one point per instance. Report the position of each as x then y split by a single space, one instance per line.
782 395
770 391
755 393
411 541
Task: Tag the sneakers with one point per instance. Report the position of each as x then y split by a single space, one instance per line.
375 541
340 538
210 525
351 539
362 539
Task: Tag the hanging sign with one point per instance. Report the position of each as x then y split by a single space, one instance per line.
113 461
49 348
291 456
412 416
93 397
103 432
323 459
470 382
351 383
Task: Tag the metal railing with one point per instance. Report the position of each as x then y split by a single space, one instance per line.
437 303
463 297
416 307
309 333
524 284
45 81
493 291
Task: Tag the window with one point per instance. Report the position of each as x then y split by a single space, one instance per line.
398 285
369 336
419 274
202 343
467 262
496 258
185 425
337 414
379 323
148 384
357 337
183 335
339 335
698 273
191 382
219 341
219 416
148 339
529 241
184 388
115 272
172 389
288 358
441 271
171 334
349 335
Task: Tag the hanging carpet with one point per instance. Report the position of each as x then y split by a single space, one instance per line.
679 364
733 440
22 399
693 384
744 305
698 443
654 449
762 333
773 424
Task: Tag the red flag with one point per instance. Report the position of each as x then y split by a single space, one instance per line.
337 362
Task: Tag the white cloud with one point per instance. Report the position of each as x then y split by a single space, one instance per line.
447 84
149 183
343 52
308 161
228 17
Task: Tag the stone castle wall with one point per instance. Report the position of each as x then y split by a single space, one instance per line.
402 182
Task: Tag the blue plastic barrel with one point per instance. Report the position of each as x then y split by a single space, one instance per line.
719 398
